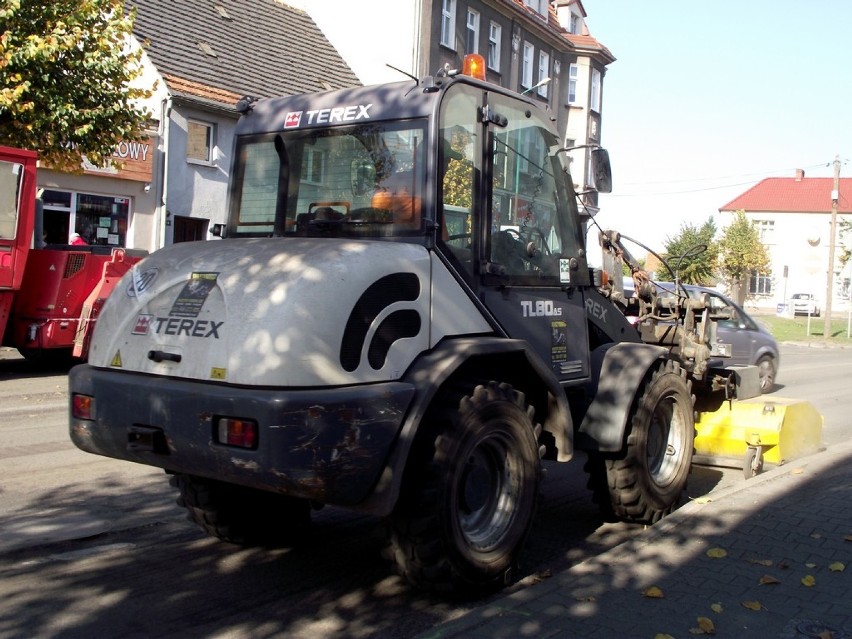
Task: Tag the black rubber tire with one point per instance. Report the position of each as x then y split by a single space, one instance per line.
469 495
645 481
766 372
751 457
242 515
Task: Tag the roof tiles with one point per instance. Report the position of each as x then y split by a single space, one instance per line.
793 195
260 48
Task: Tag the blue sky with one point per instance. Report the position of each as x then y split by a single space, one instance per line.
705 99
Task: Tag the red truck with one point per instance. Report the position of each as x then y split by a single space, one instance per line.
50 295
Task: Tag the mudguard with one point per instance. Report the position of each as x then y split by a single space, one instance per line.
428 375
617 372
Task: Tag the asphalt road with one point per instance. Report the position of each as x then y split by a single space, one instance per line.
96 547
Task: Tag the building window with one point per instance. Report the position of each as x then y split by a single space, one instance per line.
543 72
314 166
765 231
98 219
527 66
573 74
448 24
539 6
760 284
199 141
574 24
472 32
595 98
495 33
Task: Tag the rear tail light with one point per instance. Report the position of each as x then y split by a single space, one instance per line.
82 406
241 433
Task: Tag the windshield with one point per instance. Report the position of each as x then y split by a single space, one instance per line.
362 180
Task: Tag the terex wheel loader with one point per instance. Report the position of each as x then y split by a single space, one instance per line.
399 319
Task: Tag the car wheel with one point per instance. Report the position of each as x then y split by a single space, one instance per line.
766 373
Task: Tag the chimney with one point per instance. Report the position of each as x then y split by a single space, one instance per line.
800 174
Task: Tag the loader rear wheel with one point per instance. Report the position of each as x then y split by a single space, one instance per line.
645 481
469 495
242 515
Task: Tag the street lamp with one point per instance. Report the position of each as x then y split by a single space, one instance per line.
538 84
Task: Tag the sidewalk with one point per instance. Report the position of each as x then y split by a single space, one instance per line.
789 524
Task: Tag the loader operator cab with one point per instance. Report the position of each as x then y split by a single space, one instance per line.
470 168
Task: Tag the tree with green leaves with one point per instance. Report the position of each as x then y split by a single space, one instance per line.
69 80
692 253
741 253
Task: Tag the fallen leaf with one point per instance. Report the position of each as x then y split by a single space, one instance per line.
783 565
702 500
716 607
706 626
761 562
797 471
588 599
816 536
752 605
717 553
848 538
837 566
809 581
810 565
653 592
768 580
662 635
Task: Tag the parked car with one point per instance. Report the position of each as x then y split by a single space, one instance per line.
751 342
805 304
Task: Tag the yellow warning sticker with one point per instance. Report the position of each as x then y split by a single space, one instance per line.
218 373
116 360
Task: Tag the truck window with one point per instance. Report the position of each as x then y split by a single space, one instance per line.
11 175
530 226
361 181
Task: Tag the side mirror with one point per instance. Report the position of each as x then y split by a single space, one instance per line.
601 171
218 230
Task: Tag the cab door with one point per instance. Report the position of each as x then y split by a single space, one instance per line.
512 225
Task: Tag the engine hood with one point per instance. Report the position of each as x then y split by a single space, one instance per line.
278 312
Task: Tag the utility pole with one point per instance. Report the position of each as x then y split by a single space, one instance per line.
835 195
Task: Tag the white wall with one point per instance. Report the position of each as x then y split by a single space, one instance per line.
370 34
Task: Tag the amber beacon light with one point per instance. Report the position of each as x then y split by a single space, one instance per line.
474 66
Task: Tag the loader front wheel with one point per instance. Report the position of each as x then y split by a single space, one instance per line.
242 515
469 495
644 482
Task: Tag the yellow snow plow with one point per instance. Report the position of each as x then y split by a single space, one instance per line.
758 430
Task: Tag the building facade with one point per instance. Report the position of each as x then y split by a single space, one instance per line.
793 218
537 47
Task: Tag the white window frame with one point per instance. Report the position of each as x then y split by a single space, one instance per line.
595 97
472 43
495 36
543 72
313 158
448 24
208 158
573 76
760 284
539 6
765 231
527 65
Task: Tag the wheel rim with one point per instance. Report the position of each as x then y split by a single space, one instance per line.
766 374
666 440
488 493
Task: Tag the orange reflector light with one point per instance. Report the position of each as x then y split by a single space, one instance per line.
237 432
82 406
474 66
